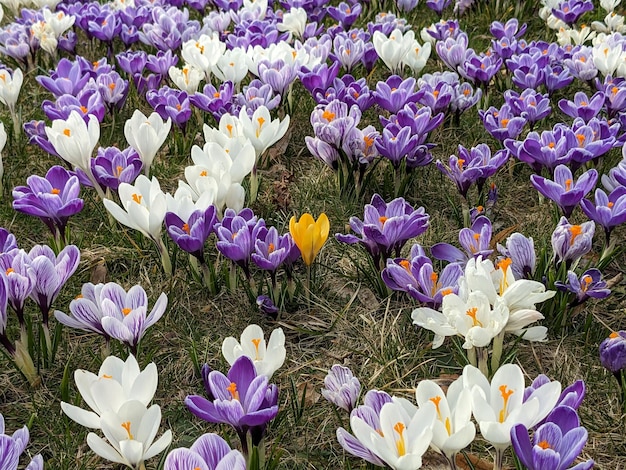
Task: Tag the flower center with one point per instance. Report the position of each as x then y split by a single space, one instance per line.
126 311
9 271
434 277
256 342
126 426
84 109
405 264
460 163
614 335
609 204
575 230
328 115
232 388
118 171
504 122
585 282
551 145
270 248
137 198
382 219
186 229
545 445
400 444
55 191
67 132
230 129
568 184
506 394
472 312
503 265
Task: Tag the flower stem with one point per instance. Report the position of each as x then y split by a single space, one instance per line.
483 358
497 463
165 256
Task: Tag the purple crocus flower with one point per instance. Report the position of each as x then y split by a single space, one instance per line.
571 242
582 106
342 388
613 353
438 5
437 96
393 94
345 14
555 444
271 249
530 105
88 101
397 143
125 314
7 242
277 74
85 311
569 11
161 62
607 211
566 192
241 398
36 133
589 285
217 101
347 90
580 64
557 77
13 446
209 452
319 77
571 396
113 166
132 62
472 166
236 235
521 251
417 277
501 123
511 29
191 234
475 241
171 103
453 50
113 89
67 78
54 199
21 279
105 27
480 69
348 50
51 273
370 413
266 305
386 227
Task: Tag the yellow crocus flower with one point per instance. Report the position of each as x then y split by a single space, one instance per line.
309 235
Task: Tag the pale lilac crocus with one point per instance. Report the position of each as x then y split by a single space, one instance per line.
208 452
341 387
13 446
571 242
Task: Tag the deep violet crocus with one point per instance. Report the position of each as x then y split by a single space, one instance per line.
386 227
607 211
566 192
191 234
54 199
393 94
208 452
589 285
613 353
569 11
501 123
236 234
417 277
67 78
271 249
555 444
472 166
241 398
113 166
583 106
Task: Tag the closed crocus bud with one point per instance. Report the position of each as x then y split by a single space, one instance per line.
146 135
613 352
571 242
309 235
341 387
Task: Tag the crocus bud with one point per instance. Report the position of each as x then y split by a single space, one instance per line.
342 388
571 242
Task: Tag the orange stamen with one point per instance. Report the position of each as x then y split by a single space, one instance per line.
126 311
472 312
55 191
232 388
186 228
505 396
126 426
137 198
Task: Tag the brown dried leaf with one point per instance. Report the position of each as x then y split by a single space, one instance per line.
311 395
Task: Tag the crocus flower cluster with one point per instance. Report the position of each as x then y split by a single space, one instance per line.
119 396
13 446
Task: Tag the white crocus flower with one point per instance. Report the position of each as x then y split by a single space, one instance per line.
280 51
567 36
262 131
609 5
453 429
74 141
10 86
143 206
607 59
186 79
257 7
232 66
39 4
267 357
146 135
46 36
394 48
403 437
203 53
498 406
229 128
58 21
130 433
294 22
183 204
416 56
13 5
117 382
474 319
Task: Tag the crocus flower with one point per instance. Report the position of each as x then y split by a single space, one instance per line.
146 135
116 383
475 240
521 251
555 444
236 234
589 285
613 352
502 123
170 104
13 446
267 357
130 434
10 86
499 405
566 192
571 242
113 166
271 249
393 94
344 13
262 131
407 434
54 199
607 211
453 429
392 47
569 11
438 5
242 399
21 279
582 106
309 235
208 452
341 387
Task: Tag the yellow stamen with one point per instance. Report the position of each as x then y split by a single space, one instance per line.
261 121
216 95
232 388
609 204
503 265
126 311
568 184
506 394
382 219
447 291
581 139
186 228
230 129
460 163
84 109
9 271
405 264
328 115
551 145
105 376
472 312
583 103
67 132
369 141
126 426
55 191
137 198
575 230
544 445
400 444
614 335
504 122
436 93
271 248
118 171
203 173
256 342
